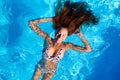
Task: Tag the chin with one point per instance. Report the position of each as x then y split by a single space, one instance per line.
59 41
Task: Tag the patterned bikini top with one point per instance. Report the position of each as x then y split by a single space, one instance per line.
53 59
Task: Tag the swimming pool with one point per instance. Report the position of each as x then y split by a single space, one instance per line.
21 48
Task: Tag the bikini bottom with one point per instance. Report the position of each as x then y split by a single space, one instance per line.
44 70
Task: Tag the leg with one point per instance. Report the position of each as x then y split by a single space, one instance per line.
48 76
36 74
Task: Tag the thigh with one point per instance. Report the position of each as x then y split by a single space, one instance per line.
36 74
48 76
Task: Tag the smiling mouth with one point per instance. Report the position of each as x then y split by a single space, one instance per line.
58 37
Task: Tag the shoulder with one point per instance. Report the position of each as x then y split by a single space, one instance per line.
49 41
67 45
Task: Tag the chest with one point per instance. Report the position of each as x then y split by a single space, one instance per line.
55 51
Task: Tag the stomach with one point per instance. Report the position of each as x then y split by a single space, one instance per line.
49 65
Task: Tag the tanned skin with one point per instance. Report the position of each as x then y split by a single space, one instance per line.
55 46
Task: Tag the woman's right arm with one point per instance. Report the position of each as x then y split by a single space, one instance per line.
35 28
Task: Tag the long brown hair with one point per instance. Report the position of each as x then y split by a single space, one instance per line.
72 15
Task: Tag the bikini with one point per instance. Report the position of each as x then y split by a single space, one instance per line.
55 59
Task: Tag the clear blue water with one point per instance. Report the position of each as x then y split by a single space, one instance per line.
20 47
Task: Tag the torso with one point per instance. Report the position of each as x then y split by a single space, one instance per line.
54 51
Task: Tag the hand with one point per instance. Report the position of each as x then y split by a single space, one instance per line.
77 31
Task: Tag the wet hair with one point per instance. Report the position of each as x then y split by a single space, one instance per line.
72 15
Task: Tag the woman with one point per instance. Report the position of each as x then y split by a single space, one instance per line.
66 22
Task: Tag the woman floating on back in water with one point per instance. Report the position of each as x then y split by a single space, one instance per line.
66 21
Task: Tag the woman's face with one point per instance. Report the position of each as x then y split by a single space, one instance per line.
61 35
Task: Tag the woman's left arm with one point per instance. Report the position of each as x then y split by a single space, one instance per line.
86 47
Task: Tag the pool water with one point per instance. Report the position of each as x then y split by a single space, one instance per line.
21 48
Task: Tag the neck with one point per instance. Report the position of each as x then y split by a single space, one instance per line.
55 43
